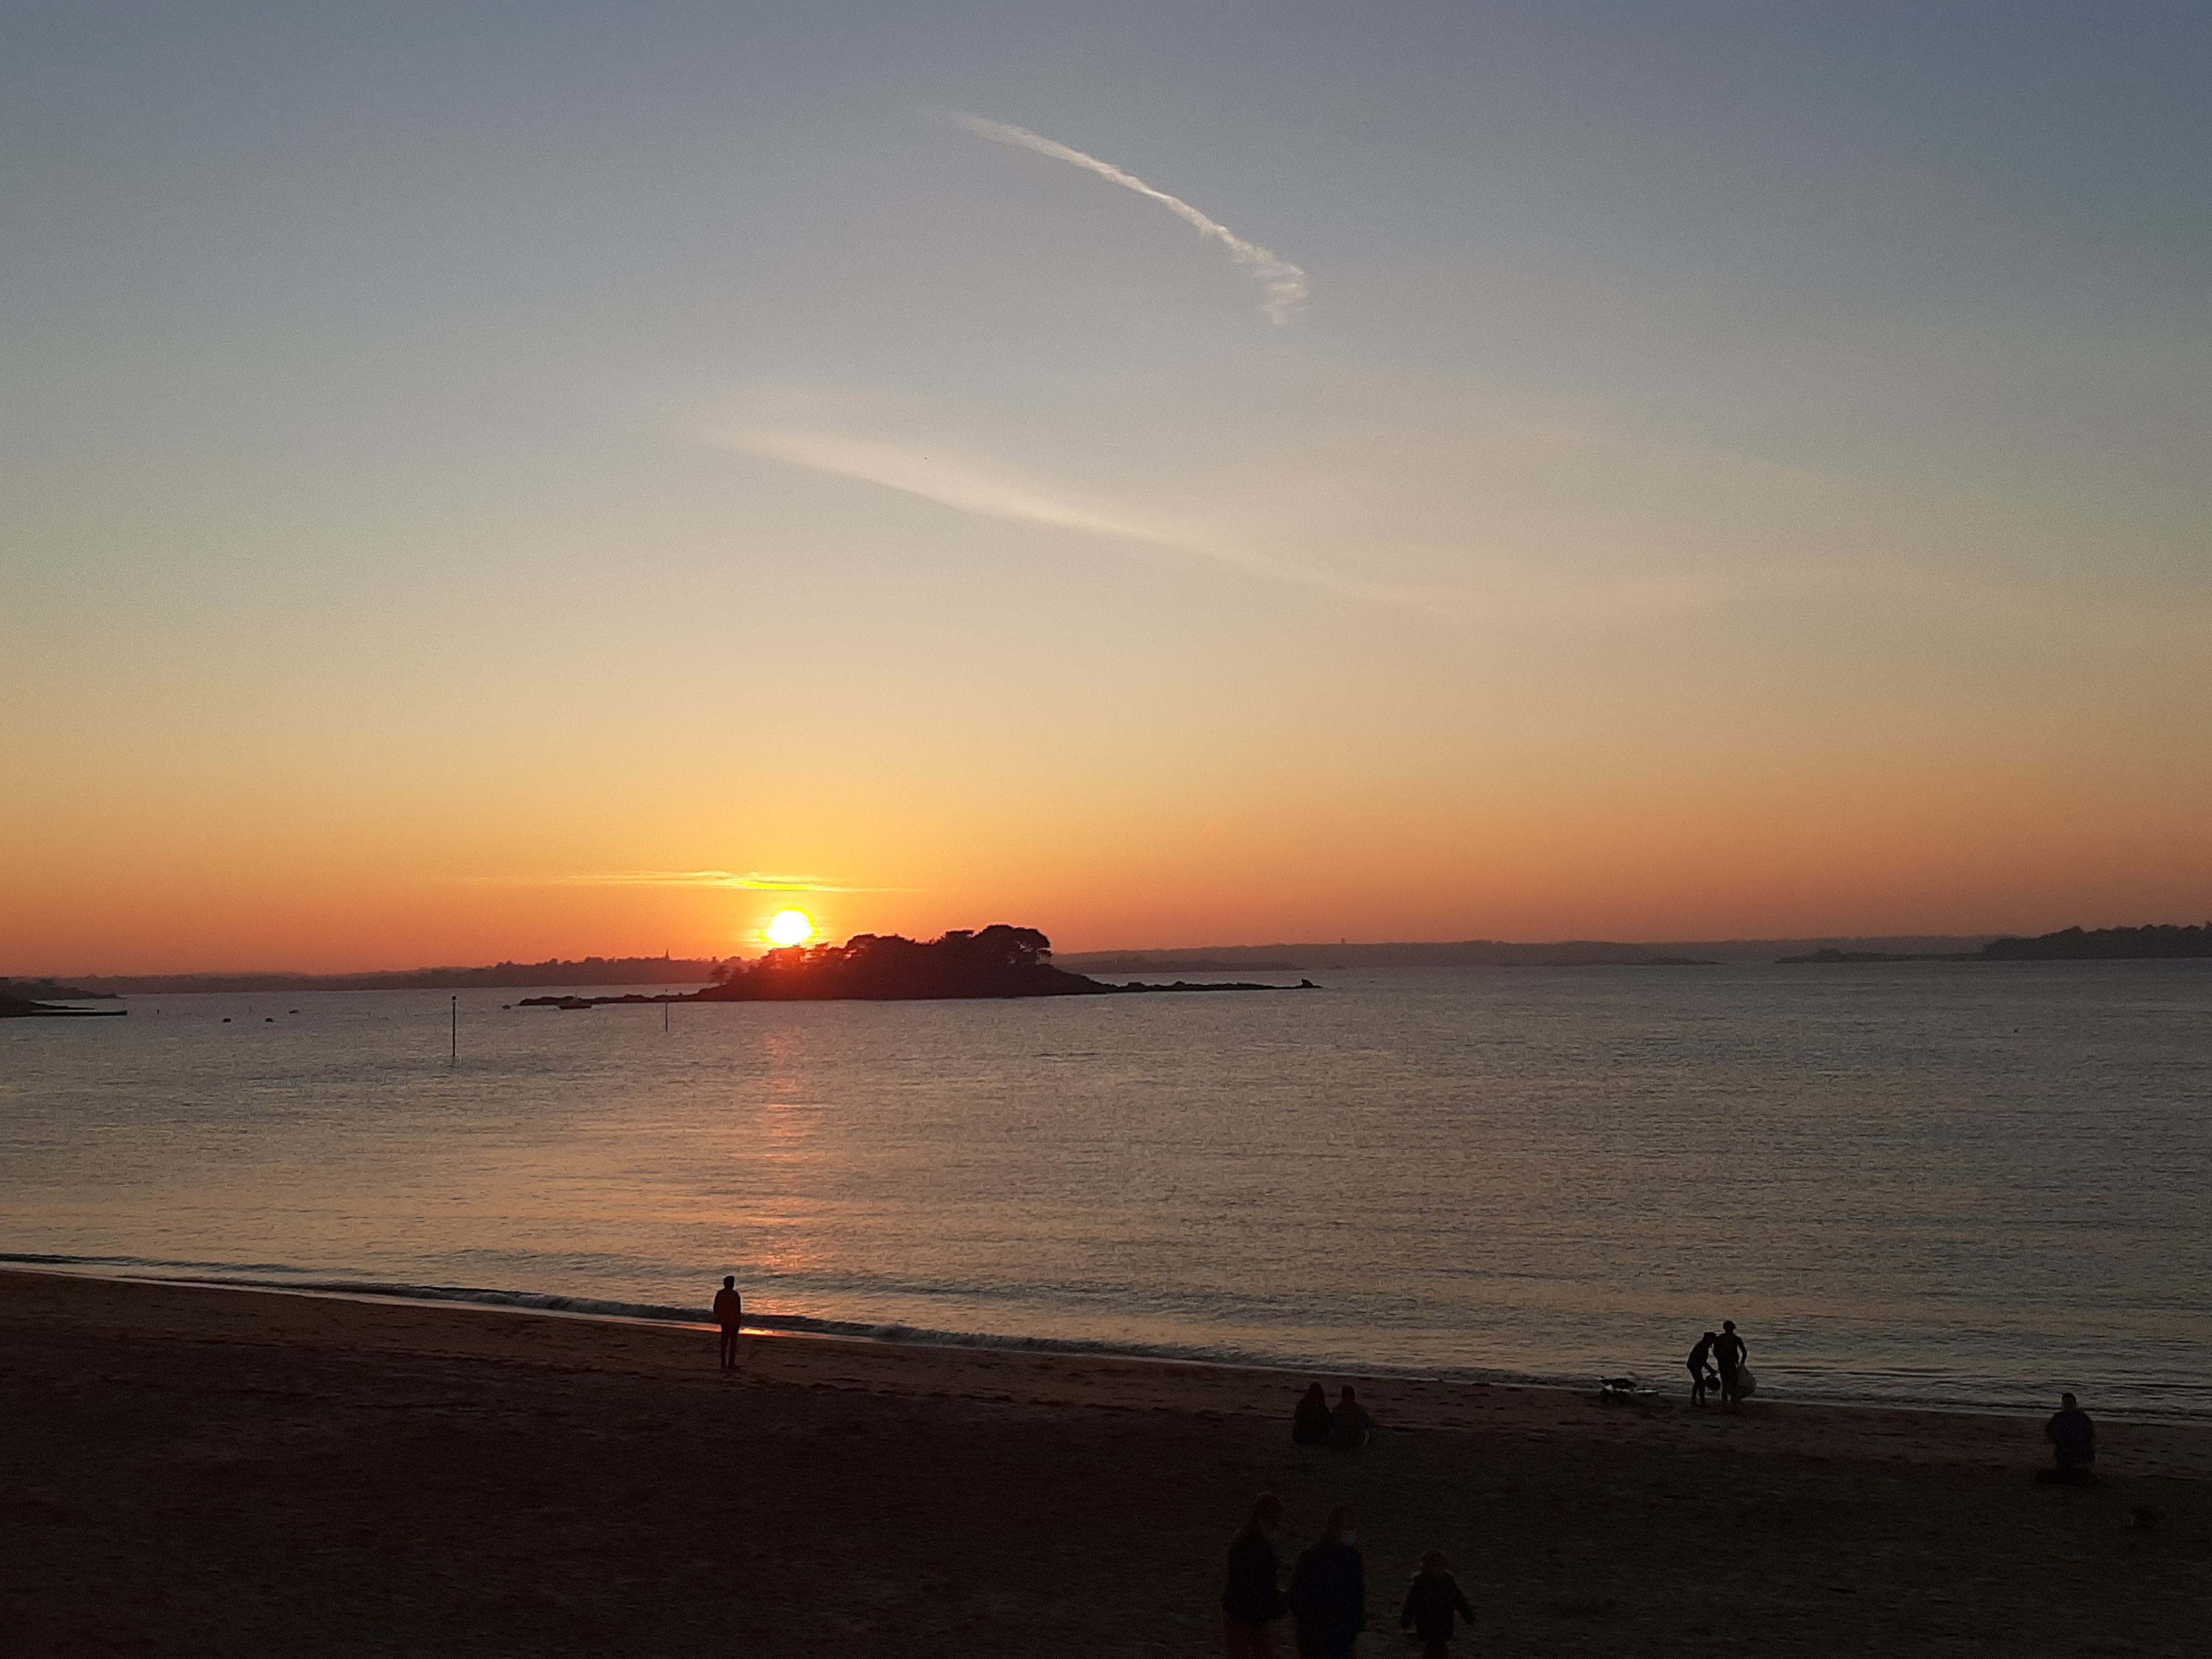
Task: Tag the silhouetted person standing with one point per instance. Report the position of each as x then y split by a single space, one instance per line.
2073 1440
1309 1424
1349 1424
1329 1591
1431 1602
1701 1359
729 1314
1729 1352
1252 1600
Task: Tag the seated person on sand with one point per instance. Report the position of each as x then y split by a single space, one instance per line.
2073 1439
1309 1424
1349 1424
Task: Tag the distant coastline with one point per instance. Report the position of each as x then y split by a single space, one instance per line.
1492 953
2164 942
2156 942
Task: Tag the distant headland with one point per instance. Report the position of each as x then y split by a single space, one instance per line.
49 990
2163 942
997 961
37 999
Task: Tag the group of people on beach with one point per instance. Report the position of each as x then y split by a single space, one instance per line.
1325 1596
1717 1363
1316 1423
1325 1599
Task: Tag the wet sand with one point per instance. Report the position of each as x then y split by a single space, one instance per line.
189 1471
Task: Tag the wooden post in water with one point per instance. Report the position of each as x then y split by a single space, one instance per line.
454 1052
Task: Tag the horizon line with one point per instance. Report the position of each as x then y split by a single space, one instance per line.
1096 950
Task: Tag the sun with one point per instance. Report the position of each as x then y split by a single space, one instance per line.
788 927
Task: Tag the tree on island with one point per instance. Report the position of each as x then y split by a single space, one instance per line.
997 962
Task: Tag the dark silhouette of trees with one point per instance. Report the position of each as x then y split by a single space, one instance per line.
1000 961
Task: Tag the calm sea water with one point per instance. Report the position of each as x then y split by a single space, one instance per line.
1927 1183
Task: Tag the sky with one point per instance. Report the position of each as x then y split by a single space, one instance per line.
487 482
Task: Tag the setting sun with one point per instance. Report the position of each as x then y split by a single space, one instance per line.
788 927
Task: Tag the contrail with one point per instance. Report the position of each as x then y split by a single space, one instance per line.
1285 282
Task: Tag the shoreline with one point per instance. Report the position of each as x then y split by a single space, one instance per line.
247 1473
821 1328
1289 1379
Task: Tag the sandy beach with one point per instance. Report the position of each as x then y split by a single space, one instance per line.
193 1471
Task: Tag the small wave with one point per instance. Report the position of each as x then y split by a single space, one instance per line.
28 1258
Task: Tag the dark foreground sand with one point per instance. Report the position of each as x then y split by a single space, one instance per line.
189 1471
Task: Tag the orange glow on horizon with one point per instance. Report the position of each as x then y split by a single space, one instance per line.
1681 839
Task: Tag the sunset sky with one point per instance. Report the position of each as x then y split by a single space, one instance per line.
497 480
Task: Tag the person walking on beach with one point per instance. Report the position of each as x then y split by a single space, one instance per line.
1432 1602
729 1314
1729 1352
1252 1600
1700 1359
1349 1424
1329 1591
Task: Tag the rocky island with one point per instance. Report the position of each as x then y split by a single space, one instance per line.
1000 961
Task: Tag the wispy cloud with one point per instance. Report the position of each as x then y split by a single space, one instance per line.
990 495
755 881
1285 283
966 487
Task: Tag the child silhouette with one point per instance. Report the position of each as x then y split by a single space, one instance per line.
1432 1602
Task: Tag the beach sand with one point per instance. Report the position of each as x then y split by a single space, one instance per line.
197 1471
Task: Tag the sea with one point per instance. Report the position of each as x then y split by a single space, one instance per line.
1950 1184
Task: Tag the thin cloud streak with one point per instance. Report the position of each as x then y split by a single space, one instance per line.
986 496
751 881
1286 283
963 489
